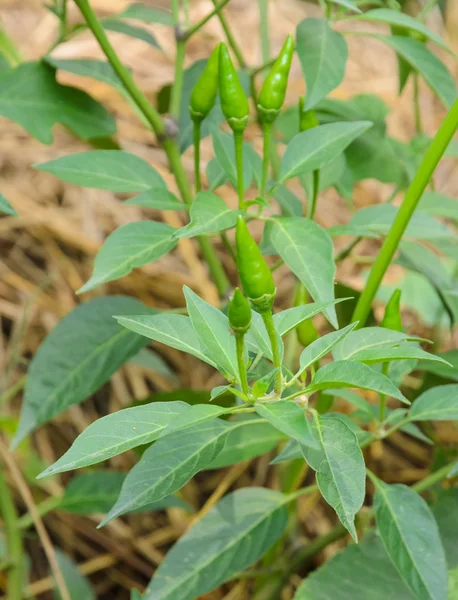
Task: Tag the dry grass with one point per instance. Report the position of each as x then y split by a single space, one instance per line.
47 253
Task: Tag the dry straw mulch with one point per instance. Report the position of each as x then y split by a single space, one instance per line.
47 253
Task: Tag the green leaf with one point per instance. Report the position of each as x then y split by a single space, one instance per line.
215 174
147 14
223 146
438 205
147 359
406 351
411 539
77 357
116 433
31 96
322 346
113 170
354 399
339 466
128 247
433 70
212 329
168 464
172 330
323 54
436 404
129 428
131 30
359 572
5 207
290 204
88 67
287 320
347 4
290 419
157 198
314 148
254 439
135 595
444 370
349 374
307 250
368 338
227 540
77 585
379 218
209 214
400 20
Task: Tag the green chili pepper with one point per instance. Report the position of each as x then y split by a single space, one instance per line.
273 91
392 318
239 312
257 281
307 118
306 331
234 102
204 92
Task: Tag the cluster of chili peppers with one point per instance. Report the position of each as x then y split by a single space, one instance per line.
256 278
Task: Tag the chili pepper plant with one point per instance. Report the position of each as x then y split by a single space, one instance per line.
314 397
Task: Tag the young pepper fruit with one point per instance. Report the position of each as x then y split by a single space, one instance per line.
307 118
273 91
239 312
204 92
234 102
256 277
392 318
306 331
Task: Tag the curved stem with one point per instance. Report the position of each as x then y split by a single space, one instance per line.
240 346
13 540
196 135
267 131
192 30
315 188
267 317
408 206
238 141
154 119
230 38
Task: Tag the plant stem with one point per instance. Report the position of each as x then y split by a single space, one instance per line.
192 30
196 134
264 29
267 132
230 38
13 540
267 317
416 104
240 346
43 509
156 122
315 188
433 478
238 141
411 199
177 87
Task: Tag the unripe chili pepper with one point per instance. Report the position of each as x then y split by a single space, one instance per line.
256 277
392 318
273 91
307 118
239 312
204 92
306 331
234 102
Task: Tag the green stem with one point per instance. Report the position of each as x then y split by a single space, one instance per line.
416 104
347 250
264 29
238 141
315 188
268 319
267 132
192 30
13 540
411 199
156 122
230 38
385 369
196 134
177 87
43 509
240 346
433 478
